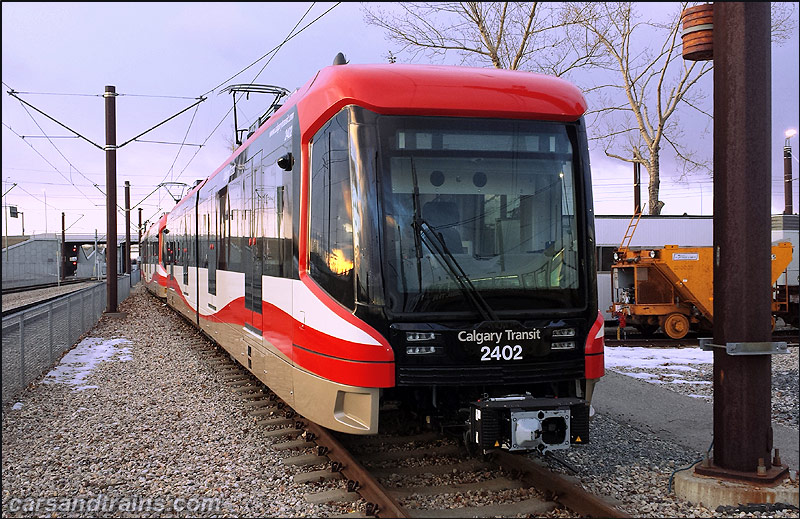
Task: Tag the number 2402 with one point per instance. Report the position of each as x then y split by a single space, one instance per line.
501 353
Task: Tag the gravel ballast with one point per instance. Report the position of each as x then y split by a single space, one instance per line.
152 431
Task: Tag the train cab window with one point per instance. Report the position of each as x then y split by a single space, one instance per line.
331 258
489 200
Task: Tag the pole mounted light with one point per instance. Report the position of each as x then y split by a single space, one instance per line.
787 171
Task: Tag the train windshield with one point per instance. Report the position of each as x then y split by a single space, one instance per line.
479 215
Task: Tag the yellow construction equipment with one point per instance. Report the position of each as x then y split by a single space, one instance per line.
673 288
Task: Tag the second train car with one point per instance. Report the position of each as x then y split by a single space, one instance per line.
403 235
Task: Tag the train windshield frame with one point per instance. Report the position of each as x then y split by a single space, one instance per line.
480 215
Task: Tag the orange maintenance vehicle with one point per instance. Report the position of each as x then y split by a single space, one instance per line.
673 288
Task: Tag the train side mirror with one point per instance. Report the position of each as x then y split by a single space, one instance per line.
286 162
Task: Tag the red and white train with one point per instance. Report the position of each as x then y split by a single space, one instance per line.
400 235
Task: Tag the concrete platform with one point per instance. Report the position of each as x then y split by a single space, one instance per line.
686 421
712 492
689 422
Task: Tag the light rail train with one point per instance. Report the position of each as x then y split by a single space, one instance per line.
402 236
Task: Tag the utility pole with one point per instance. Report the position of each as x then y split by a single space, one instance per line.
637 187
63 261
742 344
127 227
111 199
96 257
139 241
787 173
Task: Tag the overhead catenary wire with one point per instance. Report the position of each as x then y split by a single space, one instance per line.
48 162
62 155
15 93
276 48
274 51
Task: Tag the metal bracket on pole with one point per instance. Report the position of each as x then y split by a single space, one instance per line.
746 348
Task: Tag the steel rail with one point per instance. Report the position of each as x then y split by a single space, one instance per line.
565 492
384 505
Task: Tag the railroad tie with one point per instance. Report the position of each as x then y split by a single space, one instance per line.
305 460
293 444
260 402
529 507
275 421
287 432
489 485
337 494
249 388
316 476
263 411
358 514
254 395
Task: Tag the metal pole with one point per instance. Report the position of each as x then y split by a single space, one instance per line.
139 240
127 227
96 256
63 262
111 199
787 177
742 115
637 187
6 219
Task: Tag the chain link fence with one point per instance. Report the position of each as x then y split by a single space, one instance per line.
34 339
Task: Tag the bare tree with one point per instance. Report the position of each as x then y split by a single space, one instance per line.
650 84
647 81
508 35
642 87
630 68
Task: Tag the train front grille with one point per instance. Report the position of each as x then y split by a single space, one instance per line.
498 374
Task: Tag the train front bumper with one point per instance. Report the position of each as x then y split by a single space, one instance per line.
524 423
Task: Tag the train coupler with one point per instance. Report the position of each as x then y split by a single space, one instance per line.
524 423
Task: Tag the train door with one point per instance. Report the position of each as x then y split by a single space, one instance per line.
214 221
254 245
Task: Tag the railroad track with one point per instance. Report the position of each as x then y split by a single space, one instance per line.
11 309
417 475
69 281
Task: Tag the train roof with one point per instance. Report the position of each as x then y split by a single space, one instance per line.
437 90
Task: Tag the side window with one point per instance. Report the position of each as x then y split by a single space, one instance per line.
331 225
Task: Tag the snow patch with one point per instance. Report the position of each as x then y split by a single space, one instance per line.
671 363
79 362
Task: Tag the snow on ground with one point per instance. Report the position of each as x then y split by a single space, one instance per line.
79 362
660 365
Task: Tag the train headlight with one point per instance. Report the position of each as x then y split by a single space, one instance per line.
563 345
422 343
564 332
423 350
653 254
420 336
616 256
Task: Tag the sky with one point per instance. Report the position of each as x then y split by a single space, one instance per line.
162 57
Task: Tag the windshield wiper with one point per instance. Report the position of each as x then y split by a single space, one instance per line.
423 233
